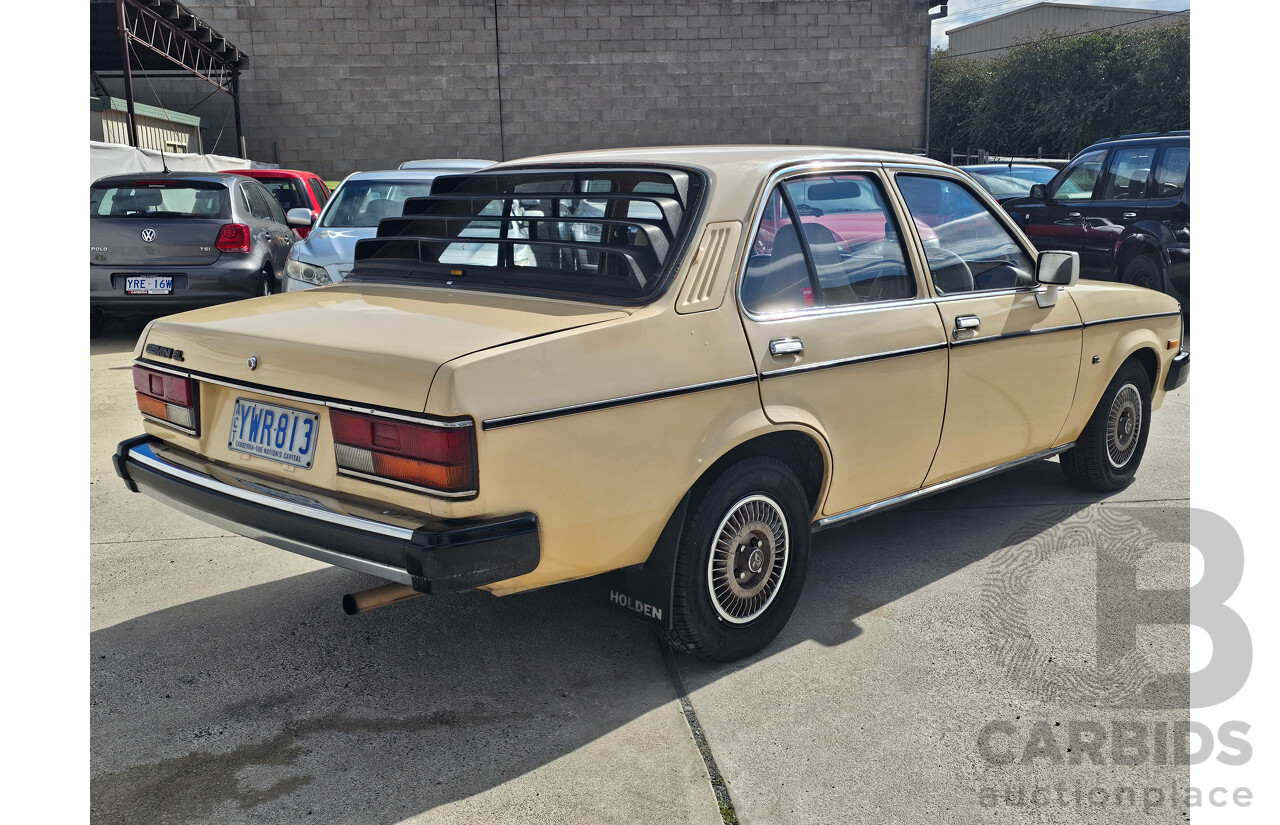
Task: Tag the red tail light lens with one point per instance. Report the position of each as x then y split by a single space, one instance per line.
166 397
440 458
233 237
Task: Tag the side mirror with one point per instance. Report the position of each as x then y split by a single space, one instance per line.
301 217
1056 269
1038 192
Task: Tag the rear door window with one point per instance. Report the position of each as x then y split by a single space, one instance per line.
1130 169
826 240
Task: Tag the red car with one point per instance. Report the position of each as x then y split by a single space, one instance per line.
292 190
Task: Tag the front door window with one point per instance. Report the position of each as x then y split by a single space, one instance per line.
968 249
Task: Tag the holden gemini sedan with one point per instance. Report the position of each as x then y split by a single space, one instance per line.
673 366
159 243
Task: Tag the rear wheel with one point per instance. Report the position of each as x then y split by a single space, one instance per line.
742 561
1107 453
97 322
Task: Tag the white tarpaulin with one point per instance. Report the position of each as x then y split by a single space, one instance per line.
118 159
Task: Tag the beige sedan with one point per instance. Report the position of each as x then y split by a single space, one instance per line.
672 365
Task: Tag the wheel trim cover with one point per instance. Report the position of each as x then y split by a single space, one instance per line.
751 511
1124 426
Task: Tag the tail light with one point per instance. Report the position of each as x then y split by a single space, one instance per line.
438 458
233 237
167 398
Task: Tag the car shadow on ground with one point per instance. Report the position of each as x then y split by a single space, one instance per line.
267 703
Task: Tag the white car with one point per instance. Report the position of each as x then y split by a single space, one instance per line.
352 214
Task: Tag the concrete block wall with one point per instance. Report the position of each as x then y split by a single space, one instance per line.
341 85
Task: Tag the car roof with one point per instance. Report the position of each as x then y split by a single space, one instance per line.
447 163
995 167
724 159
273 173
396 174
152 177
1183 136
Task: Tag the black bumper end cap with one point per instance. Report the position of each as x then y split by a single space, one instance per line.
448 558
121 454
1179 371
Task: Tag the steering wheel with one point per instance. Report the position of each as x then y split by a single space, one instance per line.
950 272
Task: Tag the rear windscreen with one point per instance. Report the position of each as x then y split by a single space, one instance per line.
159 199
287 192
603 234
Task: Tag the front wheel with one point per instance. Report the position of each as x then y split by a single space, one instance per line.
742 561
1107 453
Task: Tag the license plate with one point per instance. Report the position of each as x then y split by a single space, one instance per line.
274 432
162 285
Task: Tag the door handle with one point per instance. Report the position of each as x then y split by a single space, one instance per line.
786 346
966 325
1073 215
1130 215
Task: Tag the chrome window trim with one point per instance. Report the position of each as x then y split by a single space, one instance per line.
757 215
310 399
867 509
608 403
145 455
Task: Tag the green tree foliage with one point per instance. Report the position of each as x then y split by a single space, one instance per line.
1063 93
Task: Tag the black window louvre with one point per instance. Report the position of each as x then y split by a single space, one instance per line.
615 254
642 262
457 206
654 232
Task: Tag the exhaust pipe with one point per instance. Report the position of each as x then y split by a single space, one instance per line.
354 603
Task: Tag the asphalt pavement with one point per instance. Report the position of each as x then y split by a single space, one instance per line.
980 656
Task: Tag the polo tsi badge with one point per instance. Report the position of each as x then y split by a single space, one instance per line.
253 362
148 235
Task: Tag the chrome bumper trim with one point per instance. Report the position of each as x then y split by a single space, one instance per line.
145 455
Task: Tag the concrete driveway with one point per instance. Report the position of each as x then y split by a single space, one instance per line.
977 657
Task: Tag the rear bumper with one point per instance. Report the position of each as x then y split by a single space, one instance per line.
1179 371
431 555
232 278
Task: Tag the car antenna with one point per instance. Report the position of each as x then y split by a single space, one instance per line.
163 164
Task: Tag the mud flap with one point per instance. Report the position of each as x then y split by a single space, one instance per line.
647 591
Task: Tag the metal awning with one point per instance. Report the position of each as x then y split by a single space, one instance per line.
162 38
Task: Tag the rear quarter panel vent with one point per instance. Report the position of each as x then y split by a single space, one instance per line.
711 268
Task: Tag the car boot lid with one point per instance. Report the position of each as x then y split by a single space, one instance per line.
378 345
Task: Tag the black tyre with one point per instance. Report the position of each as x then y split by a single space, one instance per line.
742 561
1144 271
267 286
97 322
1107 454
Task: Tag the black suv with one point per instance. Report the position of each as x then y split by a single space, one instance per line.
1123 204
